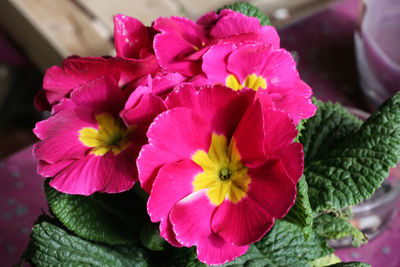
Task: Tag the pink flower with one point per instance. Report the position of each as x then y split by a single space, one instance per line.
85 147
132 39
147 101
220 168
59 82
268 70
181 42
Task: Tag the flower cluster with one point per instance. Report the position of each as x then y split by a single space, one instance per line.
203 114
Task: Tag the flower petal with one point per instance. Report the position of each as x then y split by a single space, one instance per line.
272 188
219 105
174 135
242 223
84 176
130 36
60 135
215 62
278 142
249 136
101 95
142 107
177 177
167 232
190 219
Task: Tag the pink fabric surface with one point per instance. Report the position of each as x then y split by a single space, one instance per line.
21 201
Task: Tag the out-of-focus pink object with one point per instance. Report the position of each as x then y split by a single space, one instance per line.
377 49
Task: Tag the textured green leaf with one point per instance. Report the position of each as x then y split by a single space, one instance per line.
248 10
52 246
150 237
108 218
301 213
332 227
284 245
350 264
325 261
184 257
330 124
346 169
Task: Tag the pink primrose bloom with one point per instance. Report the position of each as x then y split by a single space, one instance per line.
269 71
147 101
59 82
132 39
85 146
220 168
181 42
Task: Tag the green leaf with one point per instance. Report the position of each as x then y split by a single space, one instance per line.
345 168
350 264
185 257
248 10
301 213
150 237
325 261
52 246
332 227
284 245
109 218
330 124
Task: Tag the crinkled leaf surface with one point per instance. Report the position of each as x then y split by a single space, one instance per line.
301 213
284 245
325 261
344 169
248 10
109 218
330 124
50 245
333 227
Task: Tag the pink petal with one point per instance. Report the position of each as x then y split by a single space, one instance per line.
215 62
50 170
142 107
163 83
220 105
40 101
298 107
174 135
172 57
275 65
130 36
233 24
175 177
191 219
83 177
122 168
278 142
59 82
60 135
208 19
100 95
250 143
167 232
242 223
186 36
272 188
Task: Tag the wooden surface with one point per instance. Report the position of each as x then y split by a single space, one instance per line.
50 30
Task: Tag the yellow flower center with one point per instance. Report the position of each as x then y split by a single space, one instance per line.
112 135
223 174
252 81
